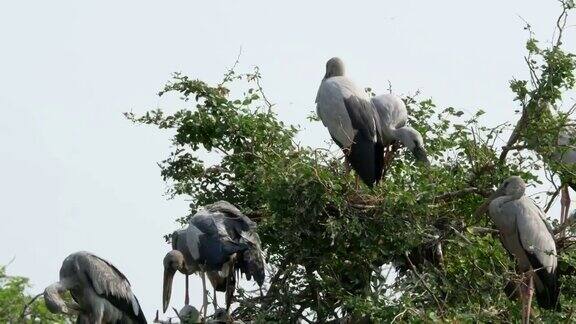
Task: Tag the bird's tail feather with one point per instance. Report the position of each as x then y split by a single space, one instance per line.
547 289
548 296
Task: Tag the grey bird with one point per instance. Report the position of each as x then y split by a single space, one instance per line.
565 156
101 293
393 117
352 122
528 238
219 241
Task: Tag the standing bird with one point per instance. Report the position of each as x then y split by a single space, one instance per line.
565 156
101 293
179 259
220 241
526 235
393 117
352 122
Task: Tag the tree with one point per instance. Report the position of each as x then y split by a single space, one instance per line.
18 307
329 245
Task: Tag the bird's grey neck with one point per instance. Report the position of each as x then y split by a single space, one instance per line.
53 297
395 133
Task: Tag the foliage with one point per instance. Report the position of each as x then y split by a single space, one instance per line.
329 244
18 307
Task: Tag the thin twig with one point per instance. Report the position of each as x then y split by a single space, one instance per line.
23 314
461 192
438 302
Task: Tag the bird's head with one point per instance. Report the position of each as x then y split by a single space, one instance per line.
334 67
173 261
189 314
412 140
512 186
54 301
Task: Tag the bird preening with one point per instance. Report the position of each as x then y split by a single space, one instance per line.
364 128
100 292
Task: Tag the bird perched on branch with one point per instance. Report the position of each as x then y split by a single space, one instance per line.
393 117
352 122
526 236
101 293
219 241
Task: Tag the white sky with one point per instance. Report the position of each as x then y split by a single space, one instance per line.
75 175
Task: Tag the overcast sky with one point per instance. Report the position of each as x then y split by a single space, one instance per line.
75 175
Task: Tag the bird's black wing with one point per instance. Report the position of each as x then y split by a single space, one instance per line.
547 295
366 152
363 116
214 244
243 231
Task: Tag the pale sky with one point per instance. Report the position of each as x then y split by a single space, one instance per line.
75 175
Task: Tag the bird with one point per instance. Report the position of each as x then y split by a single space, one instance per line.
393 117
101 293
525 234
219 241
179 259
351 121
564 155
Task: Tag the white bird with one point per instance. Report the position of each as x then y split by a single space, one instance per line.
393 117
219 241
526 235
101 293
352 122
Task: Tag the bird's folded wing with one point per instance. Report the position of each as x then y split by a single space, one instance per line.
109 283
535 237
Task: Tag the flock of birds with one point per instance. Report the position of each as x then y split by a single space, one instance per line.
221 242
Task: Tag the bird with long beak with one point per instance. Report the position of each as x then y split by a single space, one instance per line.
219 242
174 261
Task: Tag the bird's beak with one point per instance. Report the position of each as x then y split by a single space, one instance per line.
420 155
167 288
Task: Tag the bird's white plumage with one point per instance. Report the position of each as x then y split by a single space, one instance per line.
331 108
392 112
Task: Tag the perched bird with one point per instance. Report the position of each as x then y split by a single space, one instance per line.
393 117
565 157
528 238
352 122
220 241
101 293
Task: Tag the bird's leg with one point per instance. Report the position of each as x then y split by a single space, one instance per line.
564 203
389 153
526 292
214 301
205 293
186 297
